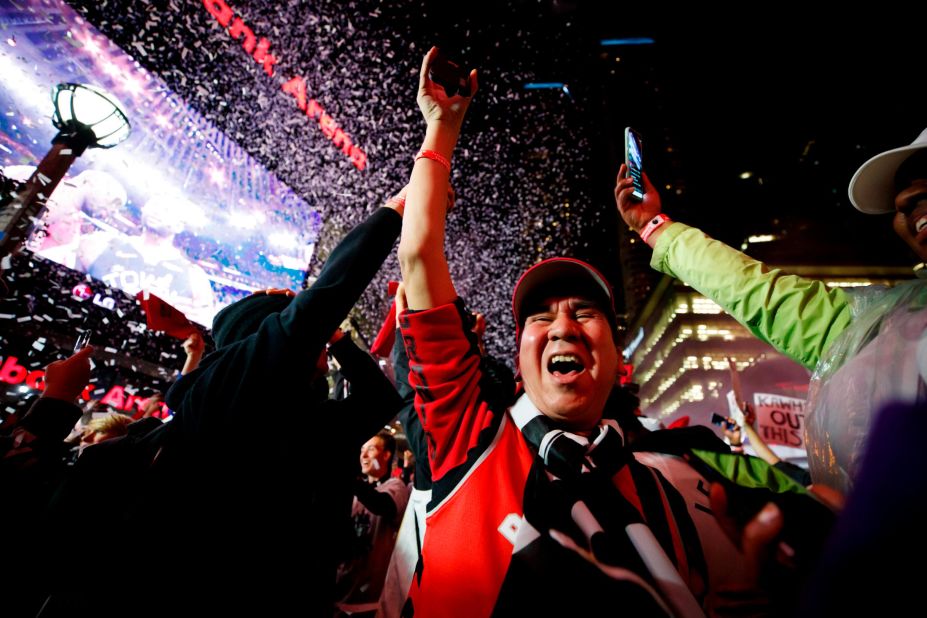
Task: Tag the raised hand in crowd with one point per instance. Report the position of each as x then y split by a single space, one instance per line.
40 434
421 249
734 436
436 105
637 213
66 379
735 433
152 405
748 429
193 346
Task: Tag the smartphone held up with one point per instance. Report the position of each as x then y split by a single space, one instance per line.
83 340
454 78
633 159
723 421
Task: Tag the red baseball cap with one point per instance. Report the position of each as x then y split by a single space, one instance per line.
561 276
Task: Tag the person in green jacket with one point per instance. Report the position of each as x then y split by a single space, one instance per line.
865 347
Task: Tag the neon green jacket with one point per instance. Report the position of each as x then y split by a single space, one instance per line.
799 317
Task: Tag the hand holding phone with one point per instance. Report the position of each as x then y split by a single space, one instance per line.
634 160
65 379
83 340
723 421
451 76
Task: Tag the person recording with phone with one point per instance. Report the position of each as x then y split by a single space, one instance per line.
864 346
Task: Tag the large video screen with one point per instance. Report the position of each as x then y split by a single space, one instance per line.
179 209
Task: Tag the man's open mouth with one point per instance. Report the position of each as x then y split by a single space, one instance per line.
565 364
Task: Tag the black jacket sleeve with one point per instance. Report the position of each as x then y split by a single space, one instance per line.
373 401
315 313
796 473
232 382
377 502
51 419
411 424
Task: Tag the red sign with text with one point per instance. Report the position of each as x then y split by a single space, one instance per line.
259 50
780 419
117 396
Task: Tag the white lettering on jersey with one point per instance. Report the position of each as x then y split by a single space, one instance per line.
509 527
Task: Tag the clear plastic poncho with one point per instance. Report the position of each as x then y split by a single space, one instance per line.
880 357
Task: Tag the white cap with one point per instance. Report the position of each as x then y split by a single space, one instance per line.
872 188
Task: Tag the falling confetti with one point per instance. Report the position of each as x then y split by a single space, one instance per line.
521 170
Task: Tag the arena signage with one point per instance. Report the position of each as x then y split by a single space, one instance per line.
116 396
259 50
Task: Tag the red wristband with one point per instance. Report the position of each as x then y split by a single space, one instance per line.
434 156
652 226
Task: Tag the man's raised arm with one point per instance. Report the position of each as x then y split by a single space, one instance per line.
421 249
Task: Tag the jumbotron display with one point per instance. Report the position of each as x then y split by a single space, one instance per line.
179 209
283 127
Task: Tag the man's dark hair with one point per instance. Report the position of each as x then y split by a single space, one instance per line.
389 444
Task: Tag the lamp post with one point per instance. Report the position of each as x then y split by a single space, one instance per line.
86 117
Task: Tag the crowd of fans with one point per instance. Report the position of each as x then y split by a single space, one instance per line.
539 493
46 306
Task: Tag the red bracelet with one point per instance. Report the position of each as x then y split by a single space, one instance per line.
434 156
652 226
